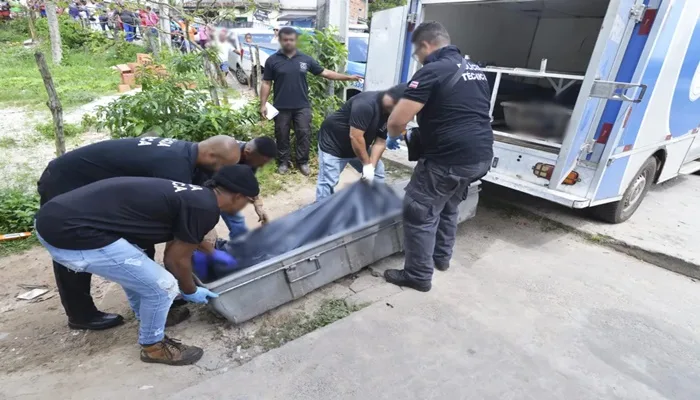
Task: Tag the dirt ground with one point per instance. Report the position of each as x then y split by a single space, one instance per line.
40 355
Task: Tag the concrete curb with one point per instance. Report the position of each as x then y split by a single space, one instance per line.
666 261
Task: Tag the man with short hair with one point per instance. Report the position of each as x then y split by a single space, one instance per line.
255 154
347 134
147 157
94 229
287 69
451 97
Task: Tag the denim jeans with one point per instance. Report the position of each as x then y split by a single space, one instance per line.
130 32
149 287
330 167
235 224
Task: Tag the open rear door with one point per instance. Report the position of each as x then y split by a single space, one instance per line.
386 45
599 85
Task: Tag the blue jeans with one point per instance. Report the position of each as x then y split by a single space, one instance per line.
130 32
235 224
330 167
149 287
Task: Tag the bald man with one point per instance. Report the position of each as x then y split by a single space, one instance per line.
145 157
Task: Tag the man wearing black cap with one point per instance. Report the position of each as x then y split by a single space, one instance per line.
93 229
145 156
346 135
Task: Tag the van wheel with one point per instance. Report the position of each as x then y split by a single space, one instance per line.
621 211
240 76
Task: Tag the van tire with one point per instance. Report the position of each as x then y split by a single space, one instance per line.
241 76
621 211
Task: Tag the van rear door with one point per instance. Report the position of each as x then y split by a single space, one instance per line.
387 37
599 85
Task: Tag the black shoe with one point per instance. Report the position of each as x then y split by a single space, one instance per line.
176 315
398 277
99 322
304 169
282 169
442 266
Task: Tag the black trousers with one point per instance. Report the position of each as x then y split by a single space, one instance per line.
301 119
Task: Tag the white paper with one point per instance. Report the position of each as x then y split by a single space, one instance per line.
271 111
32 294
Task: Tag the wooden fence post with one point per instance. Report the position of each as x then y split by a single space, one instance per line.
258 71
54 103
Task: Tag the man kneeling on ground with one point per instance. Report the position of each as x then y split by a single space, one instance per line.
346 135
93 228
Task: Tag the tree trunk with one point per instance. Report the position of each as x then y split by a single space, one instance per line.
54 103
54 33
165 38
211 78
32 26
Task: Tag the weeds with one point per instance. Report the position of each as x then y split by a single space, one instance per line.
272 337
7 142
17 246
48 131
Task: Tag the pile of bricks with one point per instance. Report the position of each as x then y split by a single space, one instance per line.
129 71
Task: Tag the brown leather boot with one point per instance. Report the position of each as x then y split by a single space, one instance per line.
171 352
177 315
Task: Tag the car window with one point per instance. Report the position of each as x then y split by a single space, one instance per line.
357 49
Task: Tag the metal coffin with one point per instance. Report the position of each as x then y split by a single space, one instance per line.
253 291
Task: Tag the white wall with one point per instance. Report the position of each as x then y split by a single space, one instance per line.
507 38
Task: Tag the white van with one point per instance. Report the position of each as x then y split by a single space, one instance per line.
618 82
239 58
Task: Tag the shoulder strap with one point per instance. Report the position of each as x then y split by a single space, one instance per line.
444 90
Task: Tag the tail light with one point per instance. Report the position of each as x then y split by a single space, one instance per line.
545 171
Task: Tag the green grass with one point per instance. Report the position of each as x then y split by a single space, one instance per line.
82 77
272 337
48 130
7 142
11 247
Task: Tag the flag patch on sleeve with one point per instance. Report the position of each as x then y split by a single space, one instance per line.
413 84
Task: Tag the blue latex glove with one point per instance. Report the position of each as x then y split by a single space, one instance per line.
200 265
222 257
393 143
202 295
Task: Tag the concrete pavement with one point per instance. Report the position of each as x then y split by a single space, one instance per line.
526 312
663 231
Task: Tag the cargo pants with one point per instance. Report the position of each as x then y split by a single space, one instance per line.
430 211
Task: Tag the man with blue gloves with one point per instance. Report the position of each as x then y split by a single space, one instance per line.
93 229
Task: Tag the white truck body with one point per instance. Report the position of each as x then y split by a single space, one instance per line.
635 64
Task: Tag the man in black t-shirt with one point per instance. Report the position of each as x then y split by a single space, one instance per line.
346 135
95 228
450 96
288 68
147 157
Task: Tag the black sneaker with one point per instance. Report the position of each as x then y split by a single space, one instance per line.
282 169
442 266
399 278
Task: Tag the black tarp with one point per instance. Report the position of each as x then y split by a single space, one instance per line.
351 207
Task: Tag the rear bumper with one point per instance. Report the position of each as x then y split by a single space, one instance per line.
555 196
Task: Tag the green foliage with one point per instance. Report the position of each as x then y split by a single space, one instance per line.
329 52
7 142
166 109
379 5
17 209
15 30
48 131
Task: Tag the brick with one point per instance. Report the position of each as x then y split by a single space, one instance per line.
123 68
143 58
133 66
129 79
124 88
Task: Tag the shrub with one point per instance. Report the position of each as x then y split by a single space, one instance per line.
48 131
17 209
166 109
